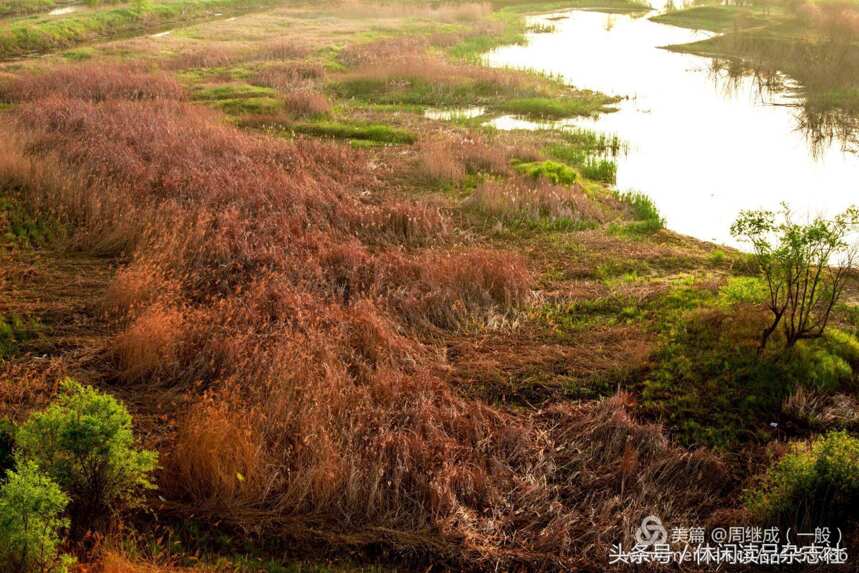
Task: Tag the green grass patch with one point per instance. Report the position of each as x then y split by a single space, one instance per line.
646 217
582 104
232 91
590 166
552 171
239 98
376 133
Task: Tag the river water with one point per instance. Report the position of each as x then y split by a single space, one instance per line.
702 146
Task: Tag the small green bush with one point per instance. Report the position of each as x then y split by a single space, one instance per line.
84 442
31 505
815 484
557 173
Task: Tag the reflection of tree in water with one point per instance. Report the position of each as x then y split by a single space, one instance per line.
823 128
822 125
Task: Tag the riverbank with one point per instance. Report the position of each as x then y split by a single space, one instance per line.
356 331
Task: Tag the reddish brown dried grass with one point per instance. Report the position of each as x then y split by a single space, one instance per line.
289 75
93 82
305 325
525 199
306 103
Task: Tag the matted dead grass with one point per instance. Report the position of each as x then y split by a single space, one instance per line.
259 294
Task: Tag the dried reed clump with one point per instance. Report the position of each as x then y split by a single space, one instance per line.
306 103
448 12
480 156
139 287
522 199
452 290
288 76
151 344
408 223
822 411
438 162
93 82
218 457
212 56
280 49
385 50
448 158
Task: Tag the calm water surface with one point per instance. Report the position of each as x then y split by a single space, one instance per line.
703 147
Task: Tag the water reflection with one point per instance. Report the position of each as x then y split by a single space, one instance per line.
705 140
823 128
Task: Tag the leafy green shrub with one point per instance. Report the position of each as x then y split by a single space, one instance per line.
843 344
31 505
557 173
813 485
743 290
84 441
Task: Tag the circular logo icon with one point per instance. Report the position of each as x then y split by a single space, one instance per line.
651 532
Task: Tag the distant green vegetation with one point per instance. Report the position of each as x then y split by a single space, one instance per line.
713 18
45 34
21 7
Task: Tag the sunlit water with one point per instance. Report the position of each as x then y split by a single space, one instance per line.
63 11
702 147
